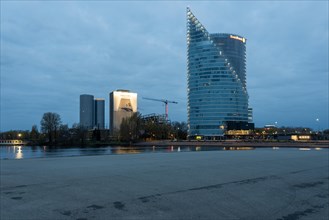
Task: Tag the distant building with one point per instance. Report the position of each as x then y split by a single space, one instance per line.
216 75
269 126
250 115
154 118
12 142
87 111
100 113
92 112
239 125
123 104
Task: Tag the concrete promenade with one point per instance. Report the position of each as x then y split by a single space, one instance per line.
260 184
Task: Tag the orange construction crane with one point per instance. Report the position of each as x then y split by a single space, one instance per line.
165 101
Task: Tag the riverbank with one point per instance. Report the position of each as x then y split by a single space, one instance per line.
237 143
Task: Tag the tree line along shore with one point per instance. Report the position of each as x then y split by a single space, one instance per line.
138 132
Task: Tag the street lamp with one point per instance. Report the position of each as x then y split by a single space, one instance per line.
318 123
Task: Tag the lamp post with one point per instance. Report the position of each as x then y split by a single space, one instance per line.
318 124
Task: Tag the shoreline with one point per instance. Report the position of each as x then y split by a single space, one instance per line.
308 144
222 143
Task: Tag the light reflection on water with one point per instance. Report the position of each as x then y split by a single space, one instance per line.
25 152
19 154
16 152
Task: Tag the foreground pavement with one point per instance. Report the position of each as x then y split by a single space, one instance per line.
257 184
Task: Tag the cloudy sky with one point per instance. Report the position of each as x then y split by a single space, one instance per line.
51 52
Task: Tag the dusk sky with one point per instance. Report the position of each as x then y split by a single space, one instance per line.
51 52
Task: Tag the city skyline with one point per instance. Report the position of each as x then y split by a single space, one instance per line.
55 51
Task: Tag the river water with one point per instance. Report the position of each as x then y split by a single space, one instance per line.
26 152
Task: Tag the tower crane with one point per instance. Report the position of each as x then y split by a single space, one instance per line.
165 101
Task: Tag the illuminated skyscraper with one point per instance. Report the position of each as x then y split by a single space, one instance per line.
123 104
216 77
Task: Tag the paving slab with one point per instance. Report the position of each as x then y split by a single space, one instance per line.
255 184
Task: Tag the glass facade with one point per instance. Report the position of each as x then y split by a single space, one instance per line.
100 113
92 112
216 78
87 111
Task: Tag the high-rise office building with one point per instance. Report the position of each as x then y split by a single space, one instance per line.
92 112
216 77
100 113
87 111
123 104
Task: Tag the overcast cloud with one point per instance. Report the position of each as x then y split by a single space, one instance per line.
51 52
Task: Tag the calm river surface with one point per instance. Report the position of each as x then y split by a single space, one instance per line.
25 152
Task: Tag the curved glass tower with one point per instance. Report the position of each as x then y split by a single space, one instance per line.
216 80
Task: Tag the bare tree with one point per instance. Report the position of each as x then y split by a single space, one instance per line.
34 134
79 134
50 123
130 127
